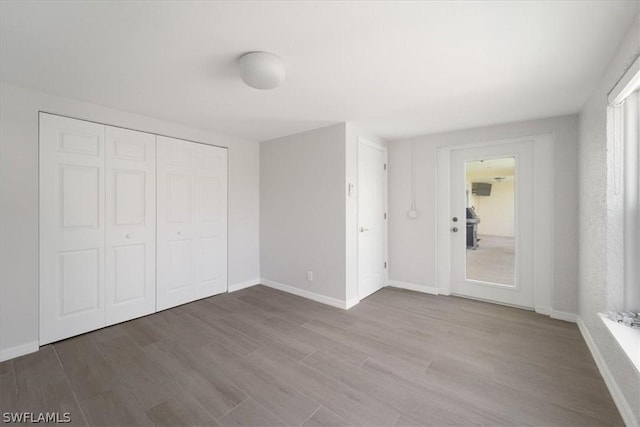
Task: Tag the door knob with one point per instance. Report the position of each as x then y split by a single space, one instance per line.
455 219
454 229
363 229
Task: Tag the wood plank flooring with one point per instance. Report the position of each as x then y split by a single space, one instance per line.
261 357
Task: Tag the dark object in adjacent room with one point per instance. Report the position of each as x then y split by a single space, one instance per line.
481 188
472 228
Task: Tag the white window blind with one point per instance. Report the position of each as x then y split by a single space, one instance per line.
631 118
624 207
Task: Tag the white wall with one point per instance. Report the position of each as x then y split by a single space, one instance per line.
308 219
412 243
302 211
19 199
496 211
600 231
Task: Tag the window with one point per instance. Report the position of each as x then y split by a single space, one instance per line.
624 205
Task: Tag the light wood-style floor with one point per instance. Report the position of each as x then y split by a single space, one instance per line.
260 357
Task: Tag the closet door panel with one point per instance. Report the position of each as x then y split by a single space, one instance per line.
211 220
131 224
176 191
72 227
180 268
192 221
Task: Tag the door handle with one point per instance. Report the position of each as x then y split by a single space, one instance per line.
363 229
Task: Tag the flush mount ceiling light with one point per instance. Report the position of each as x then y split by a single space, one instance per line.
261 70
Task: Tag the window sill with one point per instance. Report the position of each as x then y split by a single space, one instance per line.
628 339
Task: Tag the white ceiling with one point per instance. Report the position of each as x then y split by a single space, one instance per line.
490 169
397 69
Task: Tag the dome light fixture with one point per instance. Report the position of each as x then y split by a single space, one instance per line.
262 70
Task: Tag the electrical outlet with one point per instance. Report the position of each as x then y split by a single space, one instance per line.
310 276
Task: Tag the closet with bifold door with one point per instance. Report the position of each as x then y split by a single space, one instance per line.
130 223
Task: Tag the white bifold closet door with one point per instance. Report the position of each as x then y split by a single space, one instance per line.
97 226
72 227
192 221
131 224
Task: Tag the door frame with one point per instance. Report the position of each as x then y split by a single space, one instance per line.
543 201
385 240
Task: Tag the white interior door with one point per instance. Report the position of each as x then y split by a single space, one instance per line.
131 224
372 223
192 221
500 266
72 227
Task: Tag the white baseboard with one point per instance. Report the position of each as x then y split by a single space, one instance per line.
19 350
544 310
351 303
621 403
414 287
243 285
305 294
557 314
564 315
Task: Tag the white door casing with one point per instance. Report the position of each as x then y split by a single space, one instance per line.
372 222
72 227
131 224
192 221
